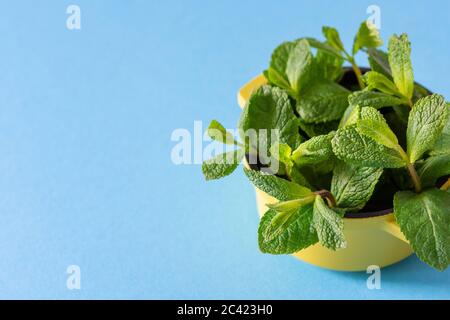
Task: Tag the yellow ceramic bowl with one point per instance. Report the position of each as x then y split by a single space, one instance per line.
375 240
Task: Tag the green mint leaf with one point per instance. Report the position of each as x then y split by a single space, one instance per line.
353 186
329 226
322 102
299 65
318 175
294 234
433 168
282 152
278 188
280 223
333 38
314 129
314 43
379 62
442 145
322 168
289 205
425 124
276 73
222 165
315 150
269 108
298 178
378 81
368 36
286 214
351 116
373 124
291 65
353 147
217 132
374 99
400 62
328 66
424 219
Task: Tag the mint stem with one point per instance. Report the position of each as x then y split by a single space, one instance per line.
410 103
446 185
358 75
327 195
411 170
415 177
356 69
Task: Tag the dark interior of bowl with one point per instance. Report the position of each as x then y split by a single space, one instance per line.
349 80
381 202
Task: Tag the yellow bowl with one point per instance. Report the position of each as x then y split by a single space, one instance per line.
375 240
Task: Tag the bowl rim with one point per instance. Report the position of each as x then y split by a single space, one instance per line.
371 214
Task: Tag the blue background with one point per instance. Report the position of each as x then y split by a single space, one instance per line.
86 119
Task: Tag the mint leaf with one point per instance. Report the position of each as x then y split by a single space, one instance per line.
433 168
317 129
278 188
373 124
351 115
352 186
333 38
298 178
328 66
368 36
294 234
323 46
400 62
222 165
291 65
329 226
374 99
269 108
424 219
282 152
289 205
315 150
378 81
321 169
379 62
442 145
322 102
276 73
279 223
286 214
217 132
299 65
353 147
425 124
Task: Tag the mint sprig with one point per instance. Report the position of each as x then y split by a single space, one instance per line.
340 146
367 37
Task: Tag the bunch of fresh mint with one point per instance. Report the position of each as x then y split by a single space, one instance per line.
347 141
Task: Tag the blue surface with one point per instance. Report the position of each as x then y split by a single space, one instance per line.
86 176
